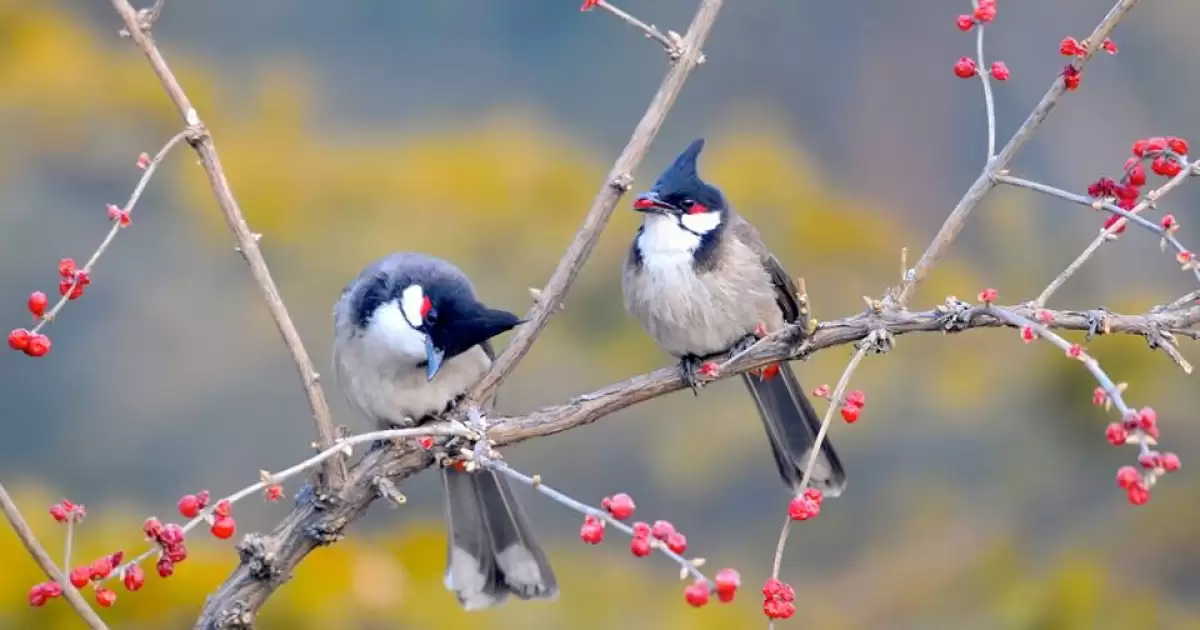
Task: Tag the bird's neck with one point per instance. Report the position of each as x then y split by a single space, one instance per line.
663 241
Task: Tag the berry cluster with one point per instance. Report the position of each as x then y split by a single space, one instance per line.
806 506
965 67
778 599
1167 156
1138 427
852 403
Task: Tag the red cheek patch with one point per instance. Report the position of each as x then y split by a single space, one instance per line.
426 306
697 208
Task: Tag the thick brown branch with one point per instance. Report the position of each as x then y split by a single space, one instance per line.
51 570
247 241
267 561
618 181
985 182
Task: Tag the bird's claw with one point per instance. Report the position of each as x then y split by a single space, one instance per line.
688 368
744 344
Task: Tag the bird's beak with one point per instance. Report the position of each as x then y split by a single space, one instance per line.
433 358
650 202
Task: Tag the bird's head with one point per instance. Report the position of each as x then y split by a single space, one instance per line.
680 194
428 320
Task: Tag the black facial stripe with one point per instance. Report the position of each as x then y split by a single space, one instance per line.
375 293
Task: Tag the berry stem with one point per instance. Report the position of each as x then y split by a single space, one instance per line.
70 540
116 227
650 30
988 102
1126 216
503 468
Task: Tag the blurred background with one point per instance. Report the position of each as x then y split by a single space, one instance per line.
982 491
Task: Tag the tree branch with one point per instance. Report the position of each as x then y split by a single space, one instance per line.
986 180
138 28
619 179
73 596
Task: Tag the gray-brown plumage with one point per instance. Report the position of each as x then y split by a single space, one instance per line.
701 280
410 338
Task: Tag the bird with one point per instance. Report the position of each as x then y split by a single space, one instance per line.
410 338
701 281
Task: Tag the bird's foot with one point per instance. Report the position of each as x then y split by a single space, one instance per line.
744 344
689 366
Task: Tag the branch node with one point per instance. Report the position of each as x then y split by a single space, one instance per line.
1098 323
239 616
257 557
326 532
955 315
388 490
622 183
878 341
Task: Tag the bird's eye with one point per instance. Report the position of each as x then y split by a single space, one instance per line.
691 207
431 316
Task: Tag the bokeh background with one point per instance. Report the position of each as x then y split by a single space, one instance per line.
981 493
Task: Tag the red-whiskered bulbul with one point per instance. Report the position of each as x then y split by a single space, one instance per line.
410 338
701 281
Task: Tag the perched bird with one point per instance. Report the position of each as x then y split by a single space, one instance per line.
410 339
701 281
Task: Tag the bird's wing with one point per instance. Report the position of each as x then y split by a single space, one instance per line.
787 294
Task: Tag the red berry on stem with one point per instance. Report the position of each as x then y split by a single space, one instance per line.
143 161
640 546
1150 460
1147 418
1069 47
1138 494
964 68
1074 351
850 413
134 578
964 22
223 527
1178 145
58 513
100 568
1000 71
1109 46
152 528
1127 476
814 494
987 296
1112 220
856 398
821 392
1116 434
80 576
676 542
171 534
66 267
117 558
176 553
105 597
38 346
1170 462
662 529
727 582
38 596
1165 166
1155 144
641 530
1136 175
985 12
165 567
697 593
273 492
37 303
621 506
19 339
1027 334
1099 396
803 508
189 506
223 508
1071 77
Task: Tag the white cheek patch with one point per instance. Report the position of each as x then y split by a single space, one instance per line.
661 235
701 222
392 334
411 301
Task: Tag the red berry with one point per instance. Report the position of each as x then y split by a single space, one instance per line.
80 576
662 529
105 597
117 558
1027 334
1099 396
1136 175
856 398
425 442
821 392
143 161
814 494
171 534
677 542
802 508
850 413
134 578
100 568
1128 192
66 267
38 596
1045 316
987 296
38 346
1178 145
777 599
1138 494
965 22
273 492
1150 460
152 528
588 4
697 593
1069 47
778 610
1170 462
1165 166
117 214
1000 71
223 527
1074 351
189 506
769 371
1112 220
223 508
59 513
709 370
65 287
165 567
1140 147
1168 222
19 339
964 68
175 553
1156 144
985 12
727 582
640 546
37 303
641 530
1127 476
1071 77
1116 434
1109 46
621 506
1147 417
1103 187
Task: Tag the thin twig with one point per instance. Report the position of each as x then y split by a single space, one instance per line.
672 48
503 468
247 241
112 232
67 544
615 184
986 180
1108 233
73 596
988 101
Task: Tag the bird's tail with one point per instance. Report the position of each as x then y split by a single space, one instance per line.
792 425
492 552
